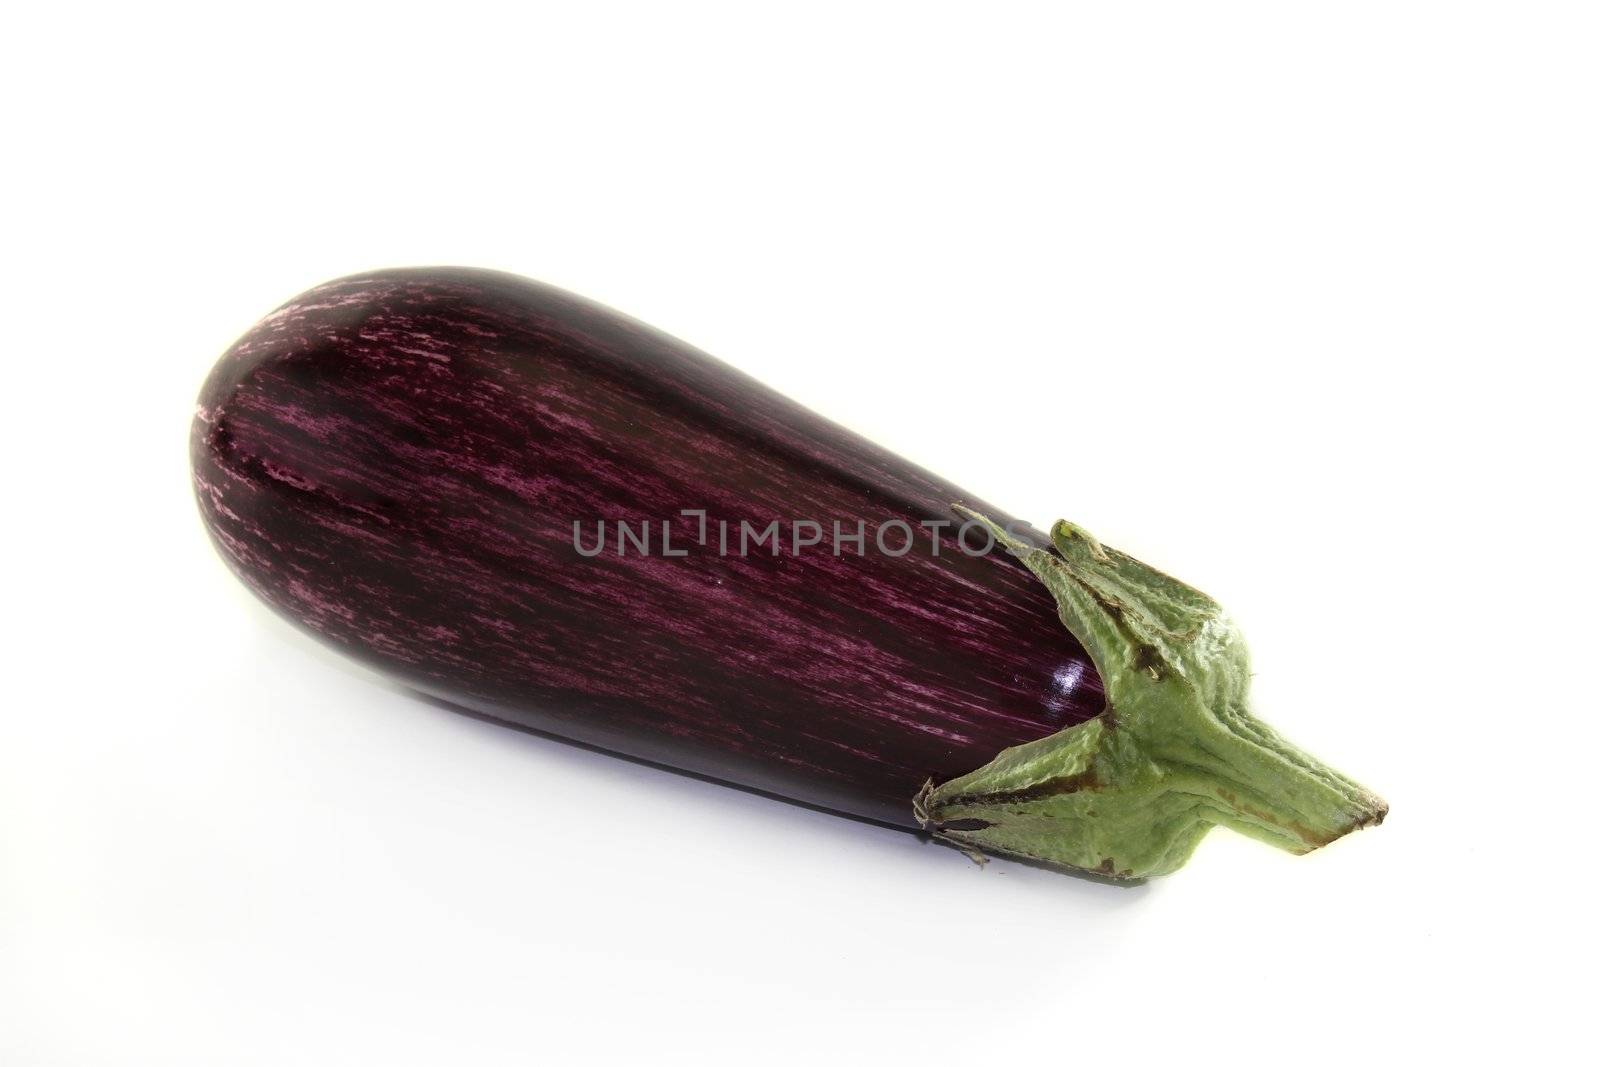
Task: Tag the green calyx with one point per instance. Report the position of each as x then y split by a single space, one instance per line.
1129 794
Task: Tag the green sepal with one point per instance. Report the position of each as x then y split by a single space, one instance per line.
1130 793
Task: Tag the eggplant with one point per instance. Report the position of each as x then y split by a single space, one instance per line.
535 509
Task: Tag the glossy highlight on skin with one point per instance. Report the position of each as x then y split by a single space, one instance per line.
394 461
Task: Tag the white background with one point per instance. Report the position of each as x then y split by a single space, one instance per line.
1298 301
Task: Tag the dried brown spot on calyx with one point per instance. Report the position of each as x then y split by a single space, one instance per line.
1084 781
1147 659
1305 833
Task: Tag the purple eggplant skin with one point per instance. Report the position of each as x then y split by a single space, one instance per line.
394 461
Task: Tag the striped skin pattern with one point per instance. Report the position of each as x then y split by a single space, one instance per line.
394 461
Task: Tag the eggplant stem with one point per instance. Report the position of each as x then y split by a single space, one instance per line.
1130 794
